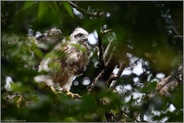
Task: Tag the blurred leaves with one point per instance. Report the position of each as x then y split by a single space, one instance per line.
27 5
68 8
143 29
149 87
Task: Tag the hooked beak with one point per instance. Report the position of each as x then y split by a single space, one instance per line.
85 38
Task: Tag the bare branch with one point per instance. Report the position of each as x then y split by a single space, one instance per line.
178 36
109 47
95 14
175 30
103 32
105 73
101 63
114 83
171 82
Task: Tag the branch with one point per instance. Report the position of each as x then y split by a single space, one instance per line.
107 70
95 14
101 57
175 30
108 49
178 36
114 83
127 114
101 63
105 73
171 82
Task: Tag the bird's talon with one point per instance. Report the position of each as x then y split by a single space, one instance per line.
73 95
76 96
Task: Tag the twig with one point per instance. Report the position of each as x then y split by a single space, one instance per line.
122 67
109 47
175 30
171 81
95 14
123 112
105 73
105 67
178 36
103 32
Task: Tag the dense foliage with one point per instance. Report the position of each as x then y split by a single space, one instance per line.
147 34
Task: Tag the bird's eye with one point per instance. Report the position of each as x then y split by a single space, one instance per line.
79 35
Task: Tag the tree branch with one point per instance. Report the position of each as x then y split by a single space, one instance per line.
108 49
95 14
106 72
169 83
114 83
101 63
106 75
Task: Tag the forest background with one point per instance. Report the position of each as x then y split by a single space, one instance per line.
135 72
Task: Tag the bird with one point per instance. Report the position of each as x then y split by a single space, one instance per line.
65 62
43 42
48 39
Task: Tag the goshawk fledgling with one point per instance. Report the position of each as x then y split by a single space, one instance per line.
66 61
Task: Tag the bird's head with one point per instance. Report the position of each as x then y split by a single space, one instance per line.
79 35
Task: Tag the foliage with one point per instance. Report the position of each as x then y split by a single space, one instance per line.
147 31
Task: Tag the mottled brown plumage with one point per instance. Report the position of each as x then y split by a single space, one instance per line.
48 39
67 61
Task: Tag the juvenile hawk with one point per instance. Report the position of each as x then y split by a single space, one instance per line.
66 61
48 39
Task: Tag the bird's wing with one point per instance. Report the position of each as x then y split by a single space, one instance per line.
51 61
65 62
50 65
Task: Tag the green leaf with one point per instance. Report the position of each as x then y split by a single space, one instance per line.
42 9
27 5
149 87
79 47
54 8
68 8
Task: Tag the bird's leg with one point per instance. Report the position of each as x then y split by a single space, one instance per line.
21 102
68 93
53 90
73 95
